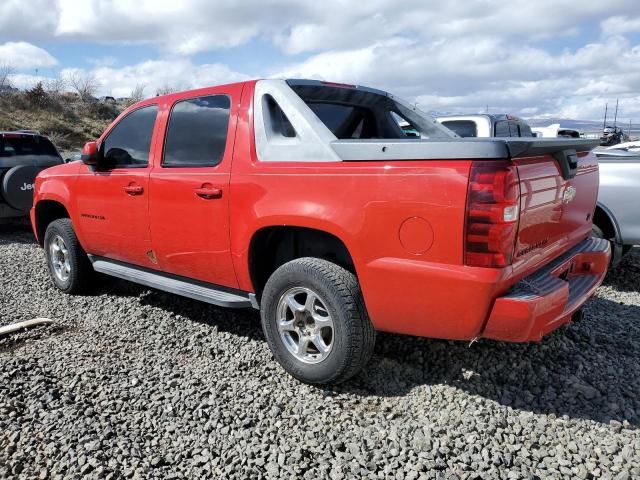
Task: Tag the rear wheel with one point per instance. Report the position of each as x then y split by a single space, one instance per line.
315 321
69 266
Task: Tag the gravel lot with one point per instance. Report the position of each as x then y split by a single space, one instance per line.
136 383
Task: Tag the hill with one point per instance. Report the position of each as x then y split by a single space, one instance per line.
67 119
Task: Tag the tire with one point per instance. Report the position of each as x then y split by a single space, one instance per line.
71 272
596 231
333 353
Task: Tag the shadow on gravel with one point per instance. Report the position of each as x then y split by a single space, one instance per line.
12 342
625 277
241 322
21 234
589 370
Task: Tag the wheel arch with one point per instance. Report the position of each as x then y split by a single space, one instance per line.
46 211
603 217
272 246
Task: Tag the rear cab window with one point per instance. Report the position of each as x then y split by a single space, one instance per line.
351 112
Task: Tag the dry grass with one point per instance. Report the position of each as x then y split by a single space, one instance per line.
66 120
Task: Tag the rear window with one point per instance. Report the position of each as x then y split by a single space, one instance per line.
511 128
525 130
464 128
346 121
362 113
19 145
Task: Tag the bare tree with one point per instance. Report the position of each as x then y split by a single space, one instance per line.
137 93
85 84
55 86
6 71
166 89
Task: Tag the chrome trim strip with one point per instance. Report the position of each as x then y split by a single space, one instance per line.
172 285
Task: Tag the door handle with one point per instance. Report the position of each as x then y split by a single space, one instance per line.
134 189
209 193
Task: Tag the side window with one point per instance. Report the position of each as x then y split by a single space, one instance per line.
197 132
127 145
277 122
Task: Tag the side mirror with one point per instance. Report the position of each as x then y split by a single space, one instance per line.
90 154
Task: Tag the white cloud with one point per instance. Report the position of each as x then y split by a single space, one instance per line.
454 55
619 25
23 55
154 74
34 21
469 73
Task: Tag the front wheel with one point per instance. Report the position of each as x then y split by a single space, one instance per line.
315 321
69 266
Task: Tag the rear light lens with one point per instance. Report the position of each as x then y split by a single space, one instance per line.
492 214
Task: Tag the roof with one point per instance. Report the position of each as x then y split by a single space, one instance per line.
492 116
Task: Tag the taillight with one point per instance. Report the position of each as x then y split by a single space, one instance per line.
492 214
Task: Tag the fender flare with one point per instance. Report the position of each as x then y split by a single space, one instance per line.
612 219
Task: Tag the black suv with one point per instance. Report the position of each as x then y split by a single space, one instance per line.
612 136
22 156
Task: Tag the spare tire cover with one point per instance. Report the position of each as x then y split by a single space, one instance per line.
17 186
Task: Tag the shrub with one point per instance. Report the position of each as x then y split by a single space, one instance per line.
38 96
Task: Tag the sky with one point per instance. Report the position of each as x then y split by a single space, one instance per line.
533 58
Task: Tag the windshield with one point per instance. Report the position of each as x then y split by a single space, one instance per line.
362 113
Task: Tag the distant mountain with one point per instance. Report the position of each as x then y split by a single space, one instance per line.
583 125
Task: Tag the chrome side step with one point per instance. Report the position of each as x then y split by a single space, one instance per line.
197 291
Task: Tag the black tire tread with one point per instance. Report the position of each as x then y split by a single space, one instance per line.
351 303
82 276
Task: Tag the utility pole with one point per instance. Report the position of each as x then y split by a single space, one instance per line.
606 107
615 118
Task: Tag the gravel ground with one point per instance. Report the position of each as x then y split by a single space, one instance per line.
136 383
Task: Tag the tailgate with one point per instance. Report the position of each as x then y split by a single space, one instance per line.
558 193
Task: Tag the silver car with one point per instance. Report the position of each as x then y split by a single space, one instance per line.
617 215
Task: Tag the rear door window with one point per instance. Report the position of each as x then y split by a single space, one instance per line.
128 143
197 132
464 128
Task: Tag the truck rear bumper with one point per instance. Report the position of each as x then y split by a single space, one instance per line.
545 300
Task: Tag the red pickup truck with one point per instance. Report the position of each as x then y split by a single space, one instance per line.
308 201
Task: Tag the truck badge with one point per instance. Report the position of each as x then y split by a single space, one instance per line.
569 194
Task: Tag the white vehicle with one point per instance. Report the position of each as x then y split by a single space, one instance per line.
485 125
555 130
627 147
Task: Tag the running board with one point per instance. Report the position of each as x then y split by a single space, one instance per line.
171 284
